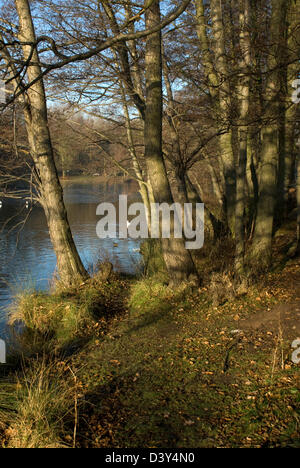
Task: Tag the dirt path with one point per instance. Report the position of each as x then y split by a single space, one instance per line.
285 316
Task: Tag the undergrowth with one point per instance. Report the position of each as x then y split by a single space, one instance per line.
132 363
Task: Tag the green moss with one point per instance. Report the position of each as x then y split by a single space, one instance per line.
154 264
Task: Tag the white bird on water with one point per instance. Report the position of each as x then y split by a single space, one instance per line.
0 204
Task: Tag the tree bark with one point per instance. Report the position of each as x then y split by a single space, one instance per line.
244 92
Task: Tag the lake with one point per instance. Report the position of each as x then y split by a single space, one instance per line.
27 259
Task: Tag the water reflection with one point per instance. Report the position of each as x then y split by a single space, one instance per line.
27 258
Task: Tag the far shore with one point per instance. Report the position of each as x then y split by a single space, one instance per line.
99 178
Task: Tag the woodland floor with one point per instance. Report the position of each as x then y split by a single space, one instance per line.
171 370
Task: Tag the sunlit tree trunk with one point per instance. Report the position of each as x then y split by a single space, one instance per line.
226 141
143 185
217 76
176 157
69 265
178 260
210 71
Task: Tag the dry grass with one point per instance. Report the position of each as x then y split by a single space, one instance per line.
46 400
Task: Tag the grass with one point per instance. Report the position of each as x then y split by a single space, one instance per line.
63 318
132 363
37 405
45 403
162 381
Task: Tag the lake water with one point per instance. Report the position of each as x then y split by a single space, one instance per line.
27 259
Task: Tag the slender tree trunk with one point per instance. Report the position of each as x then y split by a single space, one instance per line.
219 90
194 197
210 71
226 140
213 78
261 254
283 105
135 162
178 260
244 91
292 108
70 267
298 199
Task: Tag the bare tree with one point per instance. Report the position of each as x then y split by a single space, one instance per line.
70 267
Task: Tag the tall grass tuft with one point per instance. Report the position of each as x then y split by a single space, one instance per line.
45 403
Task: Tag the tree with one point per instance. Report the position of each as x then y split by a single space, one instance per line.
261 252
70 267
178 260
200 111
243 96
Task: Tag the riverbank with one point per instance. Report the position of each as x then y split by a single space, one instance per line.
101 179
141 365
27 259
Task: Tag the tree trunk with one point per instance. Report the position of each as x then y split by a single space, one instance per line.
261 254
244 92
225 93
292 108
70 267
298 198
144 191
219 91
178 259
194 197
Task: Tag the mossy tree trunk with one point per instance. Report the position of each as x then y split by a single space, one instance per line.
178 259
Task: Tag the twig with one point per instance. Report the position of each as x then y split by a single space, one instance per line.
75 408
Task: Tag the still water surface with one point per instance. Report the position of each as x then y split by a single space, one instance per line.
27 259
